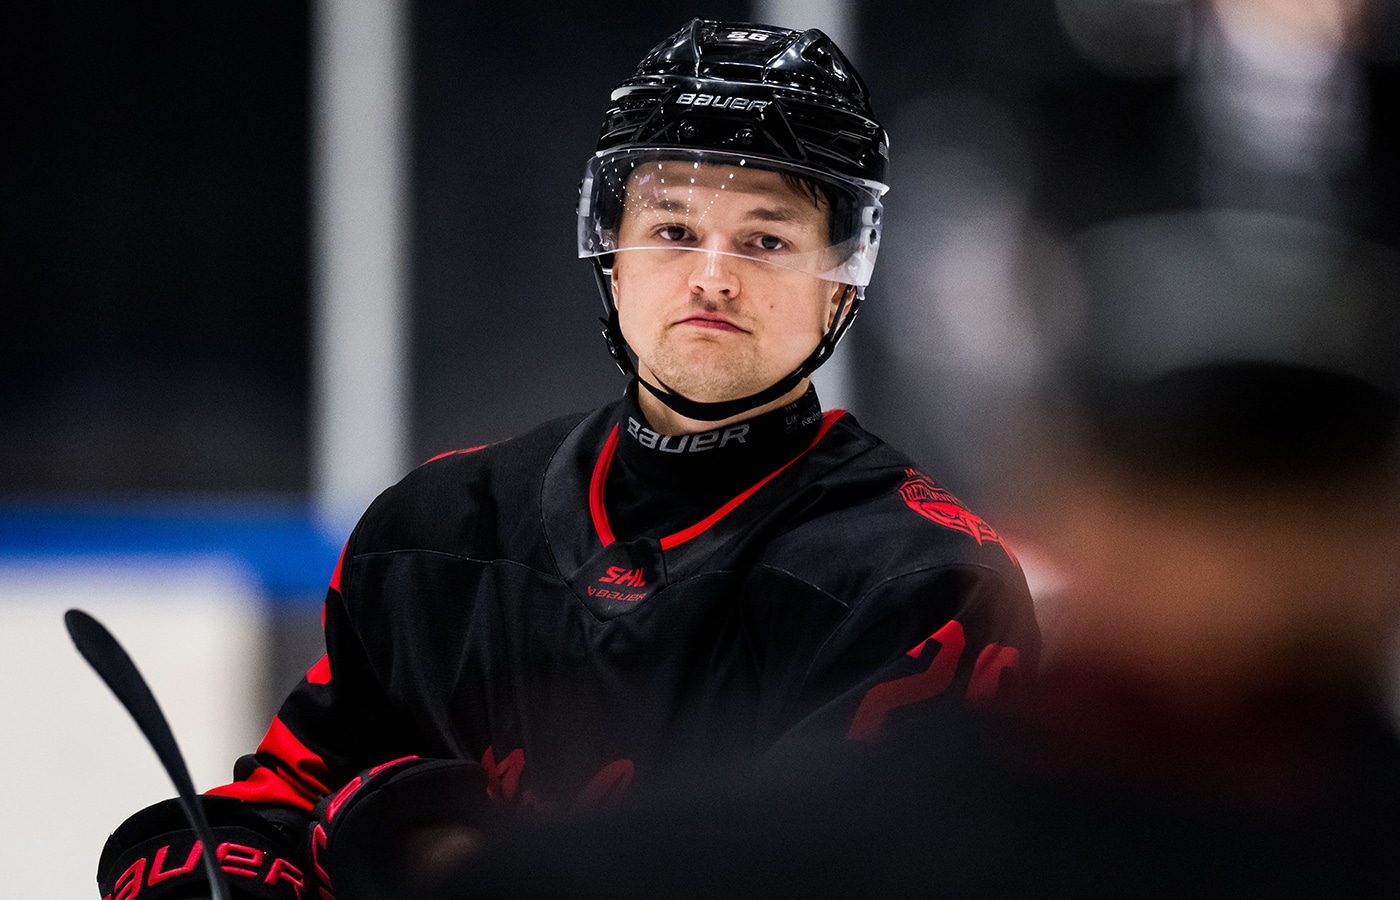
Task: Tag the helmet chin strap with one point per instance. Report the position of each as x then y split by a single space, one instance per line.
723 409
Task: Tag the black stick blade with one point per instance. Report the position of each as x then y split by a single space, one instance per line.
111 661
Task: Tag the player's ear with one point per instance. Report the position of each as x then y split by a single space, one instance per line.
612 278
833 304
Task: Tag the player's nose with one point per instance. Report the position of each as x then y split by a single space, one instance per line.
714 272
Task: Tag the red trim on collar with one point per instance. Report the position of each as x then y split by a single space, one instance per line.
600 475
595 489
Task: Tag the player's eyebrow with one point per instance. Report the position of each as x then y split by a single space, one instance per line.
779 213
665 205
774 214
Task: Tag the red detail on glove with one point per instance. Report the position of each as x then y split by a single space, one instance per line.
284 871
390 764
883 697
235 857
232 856
157 875
342 795
356 783
129 882
318 846
503 779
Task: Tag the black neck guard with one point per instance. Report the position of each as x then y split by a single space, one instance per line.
719 459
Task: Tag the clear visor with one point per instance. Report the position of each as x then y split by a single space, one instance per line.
668 202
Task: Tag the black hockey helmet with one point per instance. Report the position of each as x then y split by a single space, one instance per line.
745 95
783 95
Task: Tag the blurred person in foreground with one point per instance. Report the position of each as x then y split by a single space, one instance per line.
671 585
1217 492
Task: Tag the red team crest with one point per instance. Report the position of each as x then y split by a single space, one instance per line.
937 505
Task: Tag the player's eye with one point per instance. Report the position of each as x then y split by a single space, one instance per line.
770 242
671 233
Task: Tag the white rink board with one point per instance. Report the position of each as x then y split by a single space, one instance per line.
73 764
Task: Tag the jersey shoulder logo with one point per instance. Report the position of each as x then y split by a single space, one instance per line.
937 505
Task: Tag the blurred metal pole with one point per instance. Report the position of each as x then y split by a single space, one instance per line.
359 184
838 19
835 17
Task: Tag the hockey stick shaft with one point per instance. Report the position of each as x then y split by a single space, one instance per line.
114 665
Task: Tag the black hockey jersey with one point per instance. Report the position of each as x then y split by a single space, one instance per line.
592 605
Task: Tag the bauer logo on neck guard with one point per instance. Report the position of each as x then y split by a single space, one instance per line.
686 443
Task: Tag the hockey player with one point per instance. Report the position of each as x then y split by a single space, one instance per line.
687 577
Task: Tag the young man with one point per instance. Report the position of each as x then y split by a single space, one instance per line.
677 582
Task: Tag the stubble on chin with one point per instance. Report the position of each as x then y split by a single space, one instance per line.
704 371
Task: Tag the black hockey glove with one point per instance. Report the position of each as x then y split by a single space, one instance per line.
394 829
156 856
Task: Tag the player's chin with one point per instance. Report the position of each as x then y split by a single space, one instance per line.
714 381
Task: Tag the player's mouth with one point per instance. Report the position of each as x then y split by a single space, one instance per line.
711 322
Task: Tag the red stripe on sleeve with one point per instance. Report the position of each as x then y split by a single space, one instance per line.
321 672
300 777
335 576
265 786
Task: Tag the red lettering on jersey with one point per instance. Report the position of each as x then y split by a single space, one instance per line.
883 697
158 875
503 779
619 575
987 673
614 595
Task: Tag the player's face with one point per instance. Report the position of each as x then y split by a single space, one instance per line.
714 289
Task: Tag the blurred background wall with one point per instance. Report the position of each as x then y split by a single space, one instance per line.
167 457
